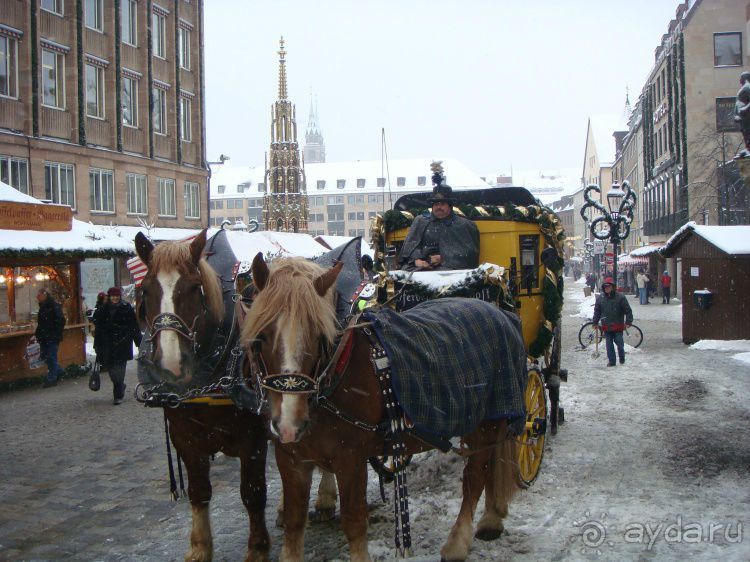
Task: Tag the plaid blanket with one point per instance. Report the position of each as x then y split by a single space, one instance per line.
455 363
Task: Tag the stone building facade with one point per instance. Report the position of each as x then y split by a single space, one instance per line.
75 123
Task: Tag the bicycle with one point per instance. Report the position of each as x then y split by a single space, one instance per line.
591 333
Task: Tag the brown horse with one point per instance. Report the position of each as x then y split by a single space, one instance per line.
291 324
183 291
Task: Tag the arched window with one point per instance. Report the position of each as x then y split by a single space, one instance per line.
294 225
280 225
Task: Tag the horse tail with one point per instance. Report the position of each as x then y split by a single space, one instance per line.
505 473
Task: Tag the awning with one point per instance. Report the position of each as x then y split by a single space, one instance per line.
632 260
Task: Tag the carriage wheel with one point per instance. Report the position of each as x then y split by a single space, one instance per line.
531 441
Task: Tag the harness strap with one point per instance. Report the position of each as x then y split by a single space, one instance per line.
172 482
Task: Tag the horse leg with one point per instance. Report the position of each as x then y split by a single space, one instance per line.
501 484
475 475
296 478
199 492
353 488
325 504
253 492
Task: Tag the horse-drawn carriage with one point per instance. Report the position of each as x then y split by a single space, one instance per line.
521 252
328 393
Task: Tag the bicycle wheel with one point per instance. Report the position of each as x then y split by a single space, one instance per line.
633 336
587 334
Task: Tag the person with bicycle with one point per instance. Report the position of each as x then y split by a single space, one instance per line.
614 311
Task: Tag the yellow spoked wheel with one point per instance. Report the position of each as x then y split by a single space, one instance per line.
531 441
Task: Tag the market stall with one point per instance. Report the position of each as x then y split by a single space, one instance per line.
42 246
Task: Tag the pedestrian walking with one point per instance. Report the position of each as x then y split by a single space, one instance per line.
116 331
49 334
666 287
641 281
614 312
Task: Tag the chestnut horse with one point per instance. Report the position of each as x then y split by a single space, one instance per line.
288 330
182 288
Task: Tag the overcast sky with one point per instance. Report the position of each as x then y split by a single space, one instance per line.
493 83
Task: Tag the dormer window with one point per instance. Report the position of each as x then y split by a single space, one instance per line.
222 188
340 184
401 181
361 182
422 180
321 184
381 182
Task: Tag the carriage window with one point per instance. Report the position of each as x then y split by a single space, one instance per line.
529 245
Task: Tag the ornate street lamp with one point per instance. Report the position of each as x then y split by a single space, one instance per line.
613 224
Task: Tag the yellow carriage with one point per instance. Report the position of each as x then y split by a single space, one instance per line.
523 238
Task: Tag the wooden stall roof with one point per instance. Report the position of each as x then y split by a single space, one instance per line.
728 240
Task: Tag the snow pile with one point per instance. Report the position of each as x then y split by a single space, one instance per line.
444 280
722 345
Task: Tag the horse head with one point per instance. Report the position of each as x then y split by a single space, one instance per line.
288 330
181 305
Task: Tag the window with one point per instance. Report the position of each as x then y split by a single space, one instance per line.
371 214
381 182
340 184
336 200
351 199
15 172
360 182
321 184
53 80
137 194
183 40
129 101
222 188
94 15
262 187
422 180
318 200
102 190
160 111
192 200
54 6
360 198
401 181
361 216
94 91
727 49
59 183
352 216
167 206
128 17
159 36
352 232
8 67
374 199
725 115
217 204
185 119
335 213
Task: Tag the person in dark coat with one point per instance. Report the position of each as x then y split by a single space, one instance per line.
116 331
613 309
440 239
49 334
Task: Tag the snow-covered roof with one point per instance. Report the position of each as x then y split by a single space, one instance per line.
548 185
84 239
602 128
156 234
733 240
457 175
646 250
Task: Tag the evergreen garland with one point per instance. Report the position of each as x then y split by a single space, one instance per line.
34 40
118 76
81 75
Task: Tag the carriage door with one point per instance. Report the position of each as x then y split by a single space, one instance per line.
529 243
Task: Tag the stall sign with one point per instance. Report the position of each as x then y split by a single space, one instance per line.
32 216
598 246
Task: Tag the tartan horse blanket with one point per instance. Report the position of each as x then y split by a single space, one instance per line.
455 362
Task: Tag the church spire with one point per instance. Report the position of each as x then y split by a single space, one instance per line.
285 200
315 148
282 70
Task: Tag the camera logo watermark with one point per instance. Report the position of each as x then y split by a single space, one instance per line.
595 532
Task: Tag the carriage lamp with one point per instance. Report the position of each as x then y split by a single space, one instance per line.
613 222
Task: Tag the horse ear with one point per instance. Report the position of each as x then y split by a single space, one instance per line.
197 245
324 281
260 272
143 247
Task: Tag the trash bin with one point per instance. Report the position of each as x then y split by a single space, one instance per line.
703 299
587 291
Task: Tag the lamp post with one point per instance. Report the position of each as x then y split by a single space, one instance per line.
613 224
222 158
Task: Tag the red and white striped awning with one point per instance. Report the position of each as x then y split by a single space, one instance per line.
632 260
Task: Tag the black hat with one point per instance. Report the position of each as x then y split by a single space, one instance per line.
442 194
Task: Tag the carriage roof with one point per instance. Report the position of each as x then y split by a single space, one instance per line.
490 196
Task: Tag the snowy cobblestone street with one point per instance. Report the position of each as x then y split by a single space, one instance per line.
651 458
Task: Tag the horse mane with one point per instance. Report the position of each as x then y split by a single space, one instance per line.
290 297
170 255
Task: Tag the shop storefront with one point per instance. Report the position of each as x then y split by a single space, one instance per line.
42 246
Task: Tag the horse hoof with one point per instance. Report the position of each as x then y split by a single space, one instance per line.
488 534
322 515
